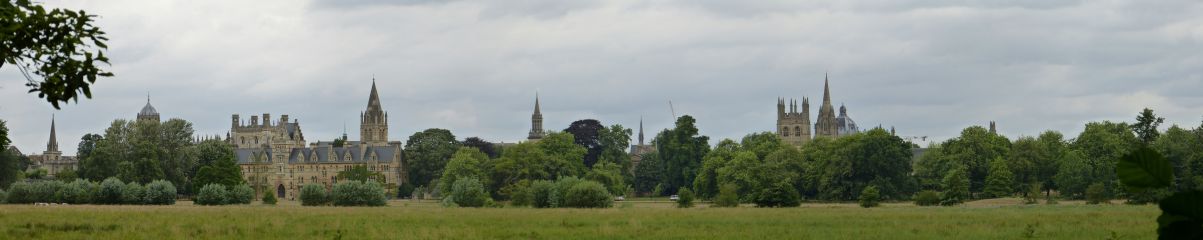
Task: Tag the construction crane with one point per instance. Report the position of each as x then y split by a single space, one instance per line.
673 110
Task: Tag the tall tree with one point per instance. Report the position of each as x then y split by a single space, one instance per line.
648 173
486 147
1000 181
1025 155
585 133
59 45
1146 126
1184 150
705 183
1101 145
8 159
974 149
1052 148
427 153
468 162
615 140
217 165
1074 175
681 149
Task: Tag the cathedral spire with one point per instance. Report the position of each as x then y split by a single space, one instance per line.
536 122
374 98
52 145
826 90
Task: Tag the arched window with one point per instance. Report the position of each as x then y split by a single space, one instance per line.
797 131
785 131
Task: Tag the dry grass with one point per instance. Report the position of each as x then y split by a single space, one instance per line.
991 219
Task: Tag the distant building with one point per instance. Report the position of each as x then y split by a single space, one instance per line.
795 127
52 159
536 123
274 156
637 150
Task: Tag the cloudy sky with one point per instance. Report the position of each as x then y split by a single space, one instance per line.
929 68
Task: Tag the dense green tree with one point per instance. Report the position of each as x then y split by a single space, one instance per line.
974 149
843 167
61 46
1146 126
1184 149
1074 175
87 145
9 167
728 196
567 156
681 150
615 141
219 166
705 184
956 186
1025 154
999 182
684 198
1052 148
585 134
467 162
609 175
648 173
466 192
931 166
427 152
1101 145
870 197
486 147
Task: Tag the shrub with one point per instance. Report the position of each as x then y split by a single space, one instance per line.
728 196
3 196
133 193
467 192
781 194
684 198
241 194
956 187
76 192
1032 195
46 191
406 190
357 193
520 194
110 191
313 195
541 192
212 194
927 198
588 194
269 199
869 197
160 192
562 185
1096 193
20 192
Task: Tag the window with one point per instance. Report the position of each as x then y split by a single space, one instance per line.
785 131
797 131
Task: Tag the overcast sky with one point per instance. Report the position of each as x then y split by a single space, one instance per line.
929 68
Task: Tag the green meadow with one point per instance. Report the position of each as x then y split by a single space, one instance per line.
988 219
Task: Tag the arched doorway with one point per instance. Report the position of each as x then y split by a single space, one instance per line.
280 191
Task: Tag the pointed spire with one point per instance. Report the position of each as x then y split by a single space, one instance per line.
826 90
537 103
374 98
640 130
52 145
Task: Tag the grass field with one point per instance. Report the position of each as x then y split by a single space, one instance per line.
990 219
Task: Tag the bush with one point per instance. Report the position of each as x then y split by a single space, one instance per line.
562 185
520 194
588 194
357 193
927 198
869 197
728 196
20 192
467 192
781 194
314 195
160 192
1032 195
3 196
684 198
77 192
269 199
406 190
212 194
133 193
45 191
1096 194
541 193
110 191
241 194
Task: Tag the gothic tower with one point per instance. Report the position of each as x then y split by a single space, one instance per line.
148 112
792 126
373 122
825 124
536 122
52 145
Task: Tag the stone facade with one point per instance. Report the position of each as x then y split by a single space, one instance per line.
638 150
794 127
52 159
275 158
536 123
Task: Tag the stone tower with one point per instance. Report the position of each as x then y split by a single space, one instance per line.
536 123
825 124
793 126
373 122
52 145
641 131
148 112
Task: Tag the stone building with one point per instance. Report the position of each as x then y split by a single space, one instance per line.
638 150
52 159
794 127
274 157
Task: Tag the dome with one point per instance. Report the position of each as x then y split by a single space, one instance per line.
148 110
844 124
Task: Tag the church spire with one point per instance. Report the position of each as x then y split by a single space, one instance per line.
52 145
640 130
826 90
536 122
374 98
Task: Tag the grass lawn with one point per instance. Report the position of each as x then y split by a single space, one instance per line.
989 219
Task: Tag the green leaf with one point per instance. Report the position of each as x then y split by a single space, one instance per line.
1144 169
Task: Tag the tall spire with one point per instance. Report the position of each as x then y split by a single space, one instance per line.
52 145
374 98
826 90
536 122
641 130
